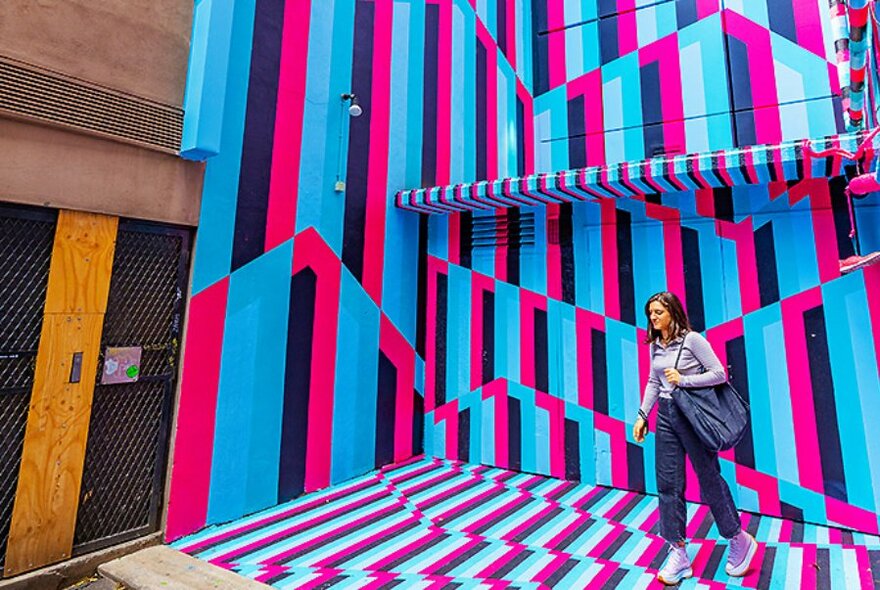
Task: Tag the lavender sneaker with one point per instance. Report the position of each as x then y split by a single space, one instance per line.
739 559
677 567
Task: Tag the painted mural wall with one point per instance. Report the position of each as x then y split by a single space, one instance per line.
303 355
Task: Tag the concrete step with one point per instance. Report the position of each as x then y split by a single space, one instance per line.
163 568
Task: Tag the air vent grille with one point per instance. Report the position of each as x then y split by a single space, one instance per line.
514 230
33 93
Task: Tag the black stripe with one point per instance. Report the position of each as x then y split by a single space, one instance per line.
626 279
560 573
259 135
781 16
520 137
609 49
595 499
615 579
475 505
600 371
705 526
535 526
627 508
488 356
422 294
572 450
823 569
824 403
635 462
385 411
540 48
575 534
713 562
504 515
577 146
481 128
652 113
790 511
753 525
354 224
418 424
660 558
693 278
393 565
542 352
740 86
514 433
383 538
513 251
448 566
685 13
297 383
874 559
429 96
440 342
840 210
464 435
738 370
566 251
511 565
618 542
723 198
797 532
768 277
502 25
465 238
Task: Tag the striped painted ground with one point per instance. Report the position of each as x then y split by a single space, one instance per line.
433 523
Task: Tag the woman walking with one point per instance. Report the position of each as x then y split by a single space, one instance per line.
672 341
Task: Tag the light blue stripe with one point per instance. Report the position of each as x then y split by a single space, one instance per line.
554 344
759 395
527 399
507 331
487 428
568 355
542 441
220 192
603 457
779 394
354 401
250 399
458 333
533 259
851 352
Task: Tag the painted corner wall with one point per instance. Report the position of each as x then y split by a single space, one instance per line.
539 365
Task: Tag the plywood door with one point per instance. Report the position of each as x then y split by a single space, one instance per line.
44 514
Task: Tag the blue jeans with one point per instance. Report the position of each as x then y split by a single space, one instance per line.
675 437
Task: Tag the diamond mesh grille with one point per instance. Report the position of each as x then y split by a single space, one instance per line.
26 237
128 434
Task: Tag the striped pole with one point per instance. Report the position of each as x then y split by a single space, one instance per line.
840 34
858 59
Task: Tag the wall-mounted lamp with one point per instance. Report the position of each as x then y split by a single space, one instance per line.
354 109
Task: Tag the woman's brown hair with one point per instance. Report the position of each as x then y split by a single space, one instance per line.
680 324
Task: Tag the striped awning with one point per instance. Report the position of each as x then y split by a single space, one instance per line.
724 168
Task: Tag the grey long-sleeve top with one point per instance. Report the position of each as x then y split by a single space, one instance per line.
698 366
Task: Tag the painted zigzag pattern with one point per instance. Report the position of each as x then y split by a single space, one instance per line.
430 523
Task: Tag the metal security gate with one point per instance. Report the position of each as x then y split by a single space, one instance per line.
26 236
126 454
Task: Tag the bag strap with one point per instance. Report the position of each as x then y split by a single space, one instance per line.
680 348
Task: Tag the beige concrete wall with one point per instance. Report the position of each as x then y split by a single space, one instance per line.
56 168
137 46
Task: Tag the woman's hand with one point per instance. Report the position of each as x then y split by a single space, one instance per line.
640 429
673 376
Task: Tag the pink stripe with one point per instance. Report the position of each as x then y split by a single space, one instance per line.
402 356
492 105
550 569
194 434
706 8
429 536
823 224
497 390
342 553
743 235
864 564
627 35
749 160
480 284
377 172
311 250
554 257
526 97
500 250
649 523
599 580
556 408
510 50
583 321
454 239
594 119
785 530
768 128
444 93
431 335
851 516
753 577
808 25
556 42
808 569
657 545
609 259
671 219
801 388
767 487
287 142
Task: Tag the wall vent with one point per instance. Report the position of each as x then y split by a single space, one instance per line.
513 230
32 93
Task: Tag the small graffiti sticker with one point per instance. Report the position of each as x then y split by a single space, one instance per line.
121 365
